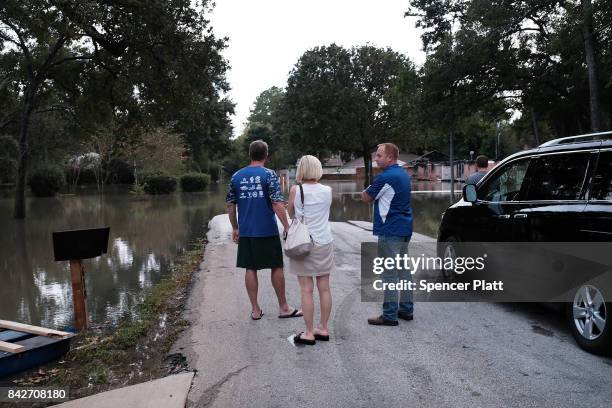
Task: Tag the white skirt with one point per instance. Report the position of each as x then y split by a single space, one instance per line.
319 262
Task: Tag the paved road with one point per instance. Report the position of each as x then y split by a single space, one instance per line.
452 354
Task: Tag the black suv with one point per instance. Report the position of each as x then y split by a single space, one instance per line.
559 191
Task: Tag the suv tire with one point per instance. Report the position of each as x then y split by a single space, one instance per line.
588 317
446 249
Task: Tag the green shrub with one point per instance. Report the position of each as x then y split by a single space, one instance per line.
87 177
214 169
145 176
80 177
141 177
120 172
158 183
46 181
194 181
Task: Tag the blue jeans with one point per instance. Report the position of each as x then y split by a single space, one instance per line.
389 247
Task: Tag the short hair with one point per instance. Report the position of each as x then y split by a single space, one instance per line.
258 150
482 161
309 168
390 150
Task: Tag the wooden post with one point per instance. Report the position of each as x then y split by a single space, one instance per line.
79 294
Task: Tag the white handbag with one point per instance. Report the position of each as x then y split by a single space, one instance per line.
298 242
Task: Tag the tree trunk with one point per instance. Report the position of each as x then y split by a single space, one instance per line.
367 167
452 168
19 211
534 123
589 50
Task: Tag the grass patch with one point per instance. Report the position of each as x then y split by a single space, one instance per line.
156 299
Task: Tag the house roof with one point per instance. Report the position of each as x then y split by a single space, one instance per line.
433 156
334 161
402 160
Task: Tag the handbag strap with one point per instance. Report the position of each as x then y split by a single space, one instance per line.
303 206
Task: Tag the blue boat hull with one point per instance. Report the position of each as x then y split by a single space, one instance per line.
39 350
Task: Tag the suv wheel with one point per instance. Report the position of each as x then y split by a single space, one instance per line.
447 249
589 321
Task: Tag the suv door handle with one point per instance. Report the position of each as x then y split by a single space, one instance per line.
502 216
520 216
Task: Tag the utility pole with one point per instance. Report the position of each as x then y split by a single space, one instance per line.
452 171
497 126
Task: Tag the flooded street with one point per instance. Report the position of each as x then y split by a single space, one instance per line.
146 234
429 200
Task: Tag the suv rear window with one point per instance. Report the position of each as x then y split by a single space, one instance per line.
602 181
557 176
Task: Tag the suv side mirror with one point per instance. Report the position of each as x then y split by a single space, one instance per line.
469 193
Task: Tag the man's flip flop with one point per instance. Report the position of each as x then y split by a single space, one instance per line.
295 313
322 337
299 340
257 318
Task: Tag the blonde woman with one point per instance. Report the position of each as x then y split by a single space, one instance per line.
319 263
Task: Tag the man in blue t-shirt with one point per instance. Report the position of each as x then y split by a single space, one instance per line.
482 164
390 193
256 192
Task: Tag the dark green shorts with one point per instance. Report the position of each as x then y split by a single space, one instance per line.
260 252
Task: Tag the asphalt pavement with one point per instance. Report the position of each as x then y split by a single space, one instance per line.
451 354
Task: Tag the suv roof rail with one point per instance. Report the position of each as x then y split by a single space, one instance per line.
589 137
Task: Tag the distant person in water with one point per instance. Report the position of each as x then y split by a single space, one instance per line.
256 192
482 164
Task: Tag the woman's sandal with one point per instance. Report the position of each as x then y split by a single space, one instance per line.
299 340
257 318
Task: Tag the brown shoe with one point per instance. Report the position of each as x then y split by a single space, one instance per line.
405 315
382 321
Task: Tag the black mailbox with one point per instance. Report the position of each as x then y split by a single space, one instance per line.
80 244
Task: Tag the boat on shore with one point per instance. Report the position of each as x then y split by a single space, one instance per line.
23 346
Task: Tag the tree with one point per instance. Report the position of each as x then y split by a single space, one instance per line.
337 100
103 144
158 149
236 156
155 62
266 106
404 103
591 61
265 123
526 56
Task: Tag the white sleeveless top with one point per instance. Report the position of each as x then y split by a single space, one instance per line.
318 200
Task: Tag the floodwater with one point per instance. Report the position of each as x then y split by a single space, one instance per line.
429 200
146 234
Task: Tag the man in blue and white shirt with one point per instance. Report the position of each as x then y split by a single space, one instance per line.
255 192
390 193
